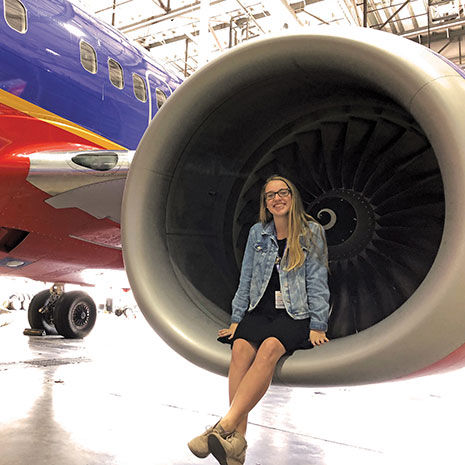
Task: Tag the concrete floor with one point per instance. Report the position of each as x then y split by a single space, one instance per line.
122 397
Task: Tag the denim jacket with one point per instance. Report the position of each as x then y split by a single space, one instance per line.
305 289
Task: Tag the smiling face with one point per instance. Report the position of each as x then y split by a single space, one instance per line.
277 205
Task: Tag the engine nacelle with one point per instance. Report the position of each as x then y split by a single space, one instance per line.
371 129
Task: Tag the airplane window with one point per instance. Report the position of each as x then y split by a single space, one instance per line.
116 73
140 90
88 57
15 15
97 162
161 97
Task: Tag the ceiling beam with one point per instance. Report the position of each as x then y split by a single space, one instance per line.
412 15
299 6
160 3
444 46
164 17
250 15
113 14
393 14
439 28
112 7
440 37
189 35
373 10
291 11
316 17
354 6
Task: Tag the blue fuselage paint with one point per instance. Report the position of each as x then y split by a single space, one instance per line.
43 66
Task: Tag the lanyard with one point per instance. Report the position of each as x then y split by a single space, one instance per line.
277 261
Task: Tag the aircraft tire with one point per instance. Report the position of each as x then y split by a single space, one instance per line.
74 315
36 319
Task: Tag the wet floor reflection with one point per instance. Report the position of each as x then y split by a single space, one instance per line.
121 397
37 436
13 406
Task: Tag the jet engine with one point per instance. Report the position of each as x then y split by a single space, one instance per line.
371 129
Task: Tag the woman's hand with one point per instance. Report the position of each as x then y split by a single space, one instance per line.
317 337
229 331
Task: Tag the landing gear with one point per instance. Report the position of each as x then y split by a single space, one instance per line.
40 313
70 314
74 315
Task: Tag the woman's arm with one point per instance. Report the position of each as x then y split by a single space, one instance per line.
240 302
228 331
316 275
317 337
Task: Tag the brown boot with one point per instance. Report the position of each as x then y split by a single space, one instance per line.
199 445
228 449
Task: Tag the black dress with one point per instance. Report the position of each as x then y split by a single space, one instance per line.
265 320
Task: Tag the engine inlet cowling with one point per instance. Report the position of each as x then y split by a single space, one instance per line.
350 117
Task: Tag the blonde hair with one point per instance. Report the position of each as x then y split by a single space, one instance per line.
298 219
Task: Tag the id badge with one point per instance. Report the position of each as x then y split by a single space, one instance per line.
278 300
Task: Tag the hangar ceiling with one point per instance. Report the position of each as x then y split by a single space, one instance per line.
169 29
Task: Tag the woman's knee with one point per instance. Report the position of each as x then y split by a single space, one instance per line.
271 350
243 352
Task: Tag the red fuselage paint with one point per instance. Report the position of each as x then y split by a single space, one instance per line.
53 255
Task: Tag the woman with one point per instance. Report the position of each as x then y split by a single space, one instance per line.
281 302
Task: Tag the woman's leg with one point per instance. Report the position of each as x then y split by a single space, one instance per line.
243 354
254 384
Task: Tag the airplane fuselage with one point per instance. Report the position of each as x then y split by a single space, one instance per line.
68 83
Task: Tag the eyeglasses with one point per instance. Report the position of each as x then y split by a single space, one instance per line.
282 193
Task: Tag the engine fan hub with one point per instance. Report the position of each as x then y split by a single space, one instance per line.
348 219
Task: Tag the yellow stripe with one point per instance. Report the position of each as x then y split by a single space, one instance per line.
37 112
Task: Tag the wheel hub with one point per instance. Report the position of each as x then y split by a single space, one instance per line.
81 314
